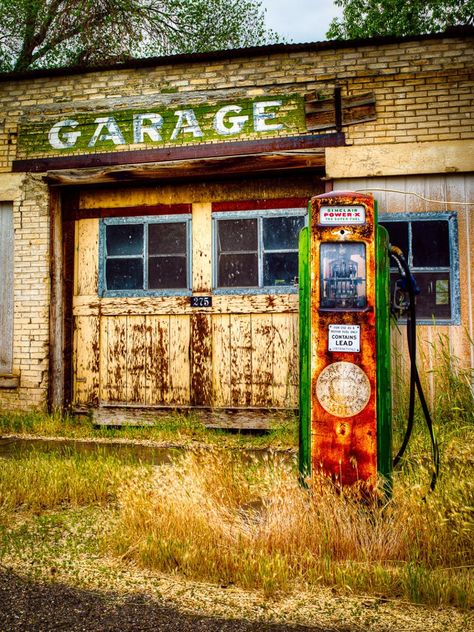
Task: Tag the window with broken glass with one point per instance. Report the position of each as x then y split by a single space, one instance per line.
430 244
145 255
257 250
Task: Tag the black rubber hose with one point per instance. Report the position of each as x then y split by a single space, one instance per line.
397 254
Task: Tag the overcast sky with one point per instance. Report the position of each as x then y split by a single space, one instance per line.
300 20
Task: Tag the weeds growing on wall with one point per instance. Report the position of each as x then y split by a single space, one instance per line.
448 386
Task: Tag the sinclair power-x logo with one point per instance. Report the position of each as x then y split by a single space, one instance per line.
337 215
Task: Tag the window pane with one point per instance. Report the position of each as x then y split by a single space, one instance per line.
240 270
280 268
430 243
398 236
281 233
167 238
167 273
124 239
124 274
434 300
237 235
342 281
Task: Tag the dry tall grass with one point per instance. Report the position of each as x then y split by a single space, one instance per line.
42 481
216 518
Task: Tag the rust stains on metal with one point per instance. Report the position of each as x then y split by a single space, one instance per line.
345 447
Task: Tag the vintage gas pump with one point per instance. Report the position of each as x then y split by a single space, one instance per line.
345 402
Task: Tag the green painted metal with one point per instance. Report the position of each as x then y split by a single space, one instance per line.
384 399
304 273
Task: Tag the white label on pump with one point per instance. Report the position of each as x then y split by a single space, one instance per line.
345 338
335 215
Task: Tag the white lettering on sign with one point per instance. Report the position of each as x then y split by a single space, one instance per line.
152 126
260 116
334 215
187 123
152 130
67 139
344 338
113 131
236 122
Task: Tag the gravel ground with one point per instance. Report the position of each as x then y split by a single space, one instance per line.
33 607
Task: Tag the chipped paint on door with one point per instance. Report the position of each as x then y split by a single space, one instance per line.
241 352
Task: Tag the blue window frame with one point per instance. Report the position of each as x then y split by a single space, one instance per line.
256 251
143 256
429 241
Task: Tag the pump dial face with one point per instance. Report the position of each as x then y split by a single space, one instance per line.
343 389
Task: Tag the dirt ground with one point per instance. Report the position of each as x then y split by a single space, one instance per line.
43 605
33 607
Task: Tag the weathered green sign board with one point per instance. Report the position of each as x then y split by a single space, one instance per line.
85 133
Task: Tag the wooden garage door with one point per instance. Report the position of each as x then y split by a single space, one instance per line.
159 351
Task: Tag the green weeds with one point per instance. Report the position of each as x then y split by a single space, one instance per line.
44 481
171 429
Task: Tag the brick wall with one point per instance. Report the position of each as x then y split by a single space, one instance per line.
31 296
423 93
423 90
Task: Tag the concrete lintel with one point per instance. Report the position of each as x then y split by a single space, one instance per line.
395 159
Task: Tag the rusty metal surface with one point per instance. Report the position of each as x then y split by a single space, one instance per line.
344 448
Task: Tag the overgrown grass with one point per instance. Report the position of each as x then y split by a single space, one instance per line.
171 429
217 516
214 518
450 401
44 481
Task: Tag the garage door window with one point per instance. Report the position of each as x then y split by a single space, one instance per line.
142 256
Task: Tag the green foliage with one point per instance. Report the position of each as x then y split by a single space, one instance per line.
54 33
369 18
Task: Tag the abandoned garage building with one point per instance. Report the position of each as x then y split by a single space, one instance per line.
149 215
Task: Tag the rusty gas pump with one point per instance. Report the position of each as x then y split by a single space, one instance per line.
345 401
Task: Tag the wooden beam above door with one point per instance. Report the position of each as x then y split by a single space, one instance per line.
189 169
289 152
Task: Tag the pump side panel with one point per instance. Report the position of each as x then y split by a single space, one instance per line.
305 355
384 399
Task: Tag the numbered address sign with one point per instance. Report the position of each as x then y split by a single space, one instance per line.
201 301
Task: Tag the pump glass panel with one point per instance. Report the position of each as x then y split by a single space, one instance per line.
343 275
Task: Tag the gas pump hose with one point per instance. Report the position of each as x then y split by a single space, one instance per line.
411 289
